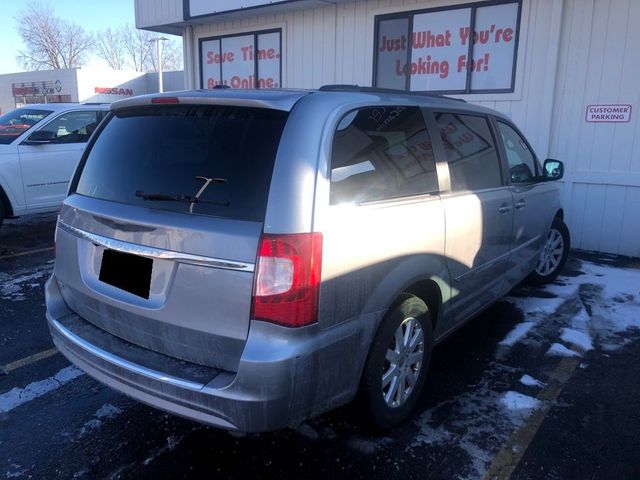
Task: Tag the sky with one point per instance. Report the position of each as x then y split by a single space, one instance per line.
93 15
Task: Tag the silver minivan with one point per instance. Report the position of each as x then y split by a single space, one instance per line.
250 259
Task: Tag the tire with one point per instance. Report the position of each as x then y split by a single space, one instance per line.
2 210
553 256
383 408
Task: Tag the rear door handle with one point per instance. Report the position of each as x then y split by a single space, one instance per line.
521 204
504 209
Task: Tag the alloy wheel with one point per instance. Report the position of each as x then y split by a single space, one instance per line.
403 362
551 253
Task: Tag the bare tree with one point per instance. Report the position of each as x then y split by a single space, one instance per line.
171 56
109 46
135 44
50 42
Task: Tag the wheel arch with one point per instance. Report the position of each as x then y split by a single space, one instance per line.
426 290
429 292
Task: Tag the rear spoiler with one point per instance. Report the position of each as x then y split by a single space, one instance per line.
273 100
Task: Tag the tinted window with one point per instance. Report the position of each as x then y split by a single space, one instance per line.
381 153
73 127
223 156
522 163
471 153
16 122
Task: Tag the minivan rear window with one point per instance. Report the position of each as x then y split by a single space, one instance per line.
204 160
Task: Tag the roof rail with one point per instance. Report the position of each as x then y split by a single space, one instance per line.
94 103
358 88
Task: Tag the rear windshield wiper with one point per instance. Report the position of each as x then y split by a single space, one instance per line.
171 197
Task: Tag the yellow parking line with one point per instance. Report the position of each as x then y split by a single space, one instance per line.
39 250
505 463
23 362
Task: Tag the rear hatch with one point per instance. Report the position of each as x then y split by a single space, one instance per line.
157 241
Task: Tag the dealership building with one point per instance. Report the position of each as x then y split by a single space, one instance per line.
565 71
80 85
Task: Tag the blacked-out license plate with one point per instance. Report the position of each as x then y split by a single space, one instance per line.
127 272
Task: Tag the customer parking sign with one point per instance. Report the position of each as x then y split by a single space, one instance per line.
608 113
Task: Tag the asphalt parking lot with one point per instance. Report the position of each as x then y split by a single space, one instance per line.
544 384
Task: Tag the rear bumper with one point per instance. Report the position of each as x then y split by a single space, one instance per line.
284 375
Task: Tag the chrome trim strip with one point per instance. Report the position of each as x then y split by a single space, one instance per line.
490 263
120 362
157 253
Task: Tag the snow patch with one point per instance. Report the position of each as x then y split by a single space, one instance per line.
108 411
518 401
105 412
475 422
518 332
564 290
16 471
529 381
581 320
612 297
532 305
19 396
580 339
429 434
617 281
559 350
13 287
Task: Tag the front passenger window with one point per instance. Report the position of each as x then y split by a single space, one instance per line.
73 127
522 163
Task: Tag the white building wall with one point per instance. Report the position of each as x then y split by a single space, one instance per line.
89 79
600 64
68 81
171 81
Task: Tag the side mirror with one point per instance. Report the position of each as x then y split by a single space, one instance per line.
41 137
553 169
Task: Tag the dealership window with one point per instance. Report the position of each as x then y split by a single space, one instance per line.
248 60
429 50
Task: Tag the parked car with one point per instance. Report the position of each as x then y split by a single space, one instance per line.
40 146
250 259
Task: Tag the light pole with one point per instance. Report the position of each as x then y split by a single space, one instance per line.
158 41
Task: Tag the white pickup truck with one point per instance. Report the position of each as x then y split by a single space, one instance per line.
40 146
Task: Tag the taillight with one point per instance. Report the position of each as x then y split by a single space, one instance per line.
287 279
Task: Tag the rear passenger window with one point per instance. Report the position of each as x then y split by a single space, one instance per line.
381 153
470 150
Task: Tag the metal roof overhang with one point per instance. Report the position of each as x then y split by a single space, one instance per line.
271 8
